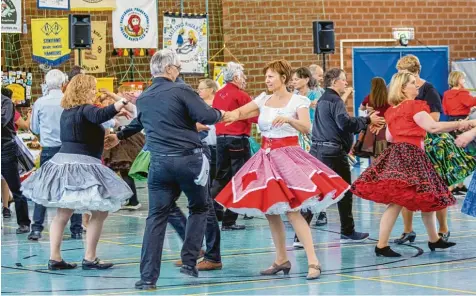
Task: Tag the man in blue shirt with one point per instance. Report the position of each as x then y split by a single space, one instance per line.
45 122
169 111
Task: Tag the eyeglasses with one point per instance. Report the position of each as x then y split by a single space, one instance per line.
178 67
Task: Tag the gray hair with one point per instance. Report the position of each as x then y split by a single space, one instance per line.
55 79
162 59
232 69
332 75
313 68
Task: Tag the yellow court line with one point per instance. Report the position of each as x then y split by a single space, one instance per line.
408 284
424 272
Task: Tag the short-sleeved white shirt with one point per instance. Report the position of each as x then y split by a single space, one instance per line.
268 114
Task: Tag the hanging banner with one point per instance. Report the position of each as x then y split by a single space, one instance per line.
218 72
94 60
187 35
50 40
93 5
11 16
53 4
134 24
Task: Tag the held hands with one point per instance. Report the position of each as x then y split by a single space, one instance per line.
125 113
376 120
377 123
110 141
464 139
230 117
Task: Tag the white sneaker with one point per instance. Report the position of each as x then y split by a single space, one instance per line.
130 208
298 245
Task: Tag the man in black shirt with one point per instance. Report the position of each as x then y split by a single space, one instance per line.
332 137
10 165
169 111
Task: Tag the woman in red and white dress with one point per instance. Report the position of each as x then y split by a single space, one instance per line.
282 178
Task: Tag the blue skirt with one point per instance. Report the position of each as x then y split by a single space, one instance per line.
469 204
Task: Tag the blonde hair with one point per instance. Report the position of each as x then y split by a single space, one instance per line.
409 63
454 77
211 84
78 91
398 83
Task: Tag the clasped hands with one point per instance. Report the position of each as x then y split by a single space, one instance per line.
377 123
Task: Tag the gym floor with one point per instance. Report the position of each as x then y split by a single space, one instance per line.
347 268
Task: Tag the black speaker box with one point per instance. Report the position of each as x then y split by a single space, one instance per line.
323 37
79 31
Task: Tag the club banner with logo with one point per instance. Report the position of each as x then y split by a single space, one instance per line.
53 4
94 60
218 72
50 40
134 24
93 5
187 34
11 16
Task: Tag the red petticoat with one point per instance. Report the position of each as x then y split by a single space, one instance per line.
404 175
283 180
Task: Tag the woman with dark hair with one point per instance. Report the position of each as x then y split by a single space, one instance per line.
304 85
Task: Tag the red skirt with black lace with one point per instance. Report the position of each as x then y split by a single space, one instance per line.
282 177
404 175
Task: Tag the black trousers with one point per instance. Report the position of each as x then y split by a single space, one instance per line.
9 153
231 154
336 159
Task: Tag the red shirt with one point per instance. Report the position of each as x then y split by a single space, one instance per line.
381 110
401 124
458 102
229 98
15 118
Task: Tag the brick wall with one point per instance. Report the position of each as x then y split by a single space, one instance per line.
260 31
21 54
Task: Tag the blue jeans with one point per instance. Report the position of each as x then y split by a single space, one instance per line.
10 173
168 176
40 211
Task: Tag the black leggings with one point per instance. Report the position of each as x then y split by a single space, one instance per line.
133 201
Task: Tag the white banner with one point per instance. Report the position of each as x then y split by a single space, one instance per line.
135 24
187 35
11 16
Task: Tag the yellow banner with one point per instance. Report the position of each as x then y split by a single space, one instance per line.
218 73
95 5
94 60
50 40
105 82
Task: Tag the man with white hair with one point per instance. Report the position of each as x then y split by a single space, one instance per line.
318 74
45 122
169 111
233 148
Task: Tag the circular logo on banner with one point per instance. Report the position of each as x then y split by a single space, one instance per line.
135 24
9 12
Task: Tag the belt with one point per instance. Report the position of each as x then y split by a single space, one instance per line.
329 144
233 136
271 144
185 153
